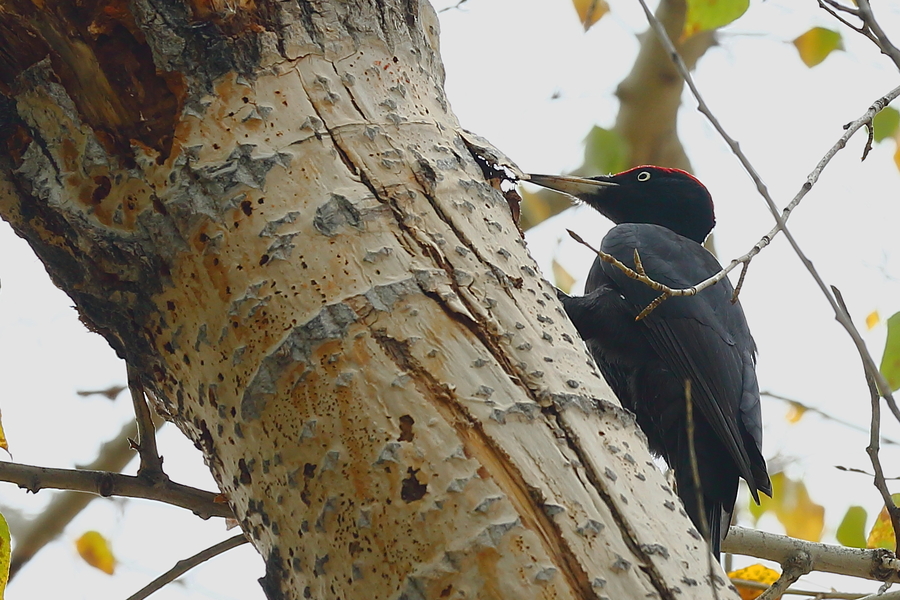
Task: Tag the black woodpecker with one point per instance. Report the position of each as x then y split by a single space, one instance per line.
666 215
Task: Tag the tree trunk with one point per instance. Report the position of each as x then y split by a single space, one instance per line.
267 208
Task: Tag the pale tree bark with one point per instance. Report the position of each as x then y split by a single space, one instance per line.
268 210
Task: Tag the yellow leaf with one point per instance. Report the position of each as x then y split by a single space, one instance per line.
4 555
816 44
801 517
590 11
757 573
872 319
95 550
562 278
795 413
882 533
3 444
897 155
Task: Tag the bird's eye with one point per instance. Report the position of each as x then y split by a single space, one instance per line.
643 176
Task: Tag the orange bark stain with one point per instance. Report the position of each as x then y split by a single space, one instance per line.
69 154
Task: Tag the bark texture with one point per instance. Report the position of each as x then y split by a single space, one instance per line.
268 209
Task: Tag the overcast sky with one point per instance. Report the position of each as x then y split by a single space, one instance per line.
523 74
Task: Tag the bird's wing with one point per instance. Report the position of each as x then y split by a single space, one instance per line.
703 338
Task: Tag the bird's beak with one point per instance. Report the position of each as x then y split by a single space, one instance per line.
577 187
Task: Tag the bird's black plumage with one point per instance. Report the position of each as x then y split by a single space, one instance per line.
665 214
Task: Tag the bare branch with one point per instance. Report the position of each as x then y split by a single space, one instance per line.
807 408
151 461
833 8
454 6
185 565
112 392
695 476
114 455
873 448
780 219
878 564
884 44
817 594
104 483
641 275
792 569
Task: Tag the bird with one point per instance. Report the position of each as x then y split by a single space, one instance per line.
696 347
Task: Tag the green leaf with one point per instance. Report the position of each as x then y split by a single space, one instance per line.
886 123
852 530
604 152
890 360
5 552
705 15
816 44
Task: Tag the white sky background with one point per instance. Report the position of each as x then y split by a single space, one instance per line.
506 60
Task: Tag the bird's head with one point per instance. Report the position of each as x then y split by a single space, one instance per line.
671 198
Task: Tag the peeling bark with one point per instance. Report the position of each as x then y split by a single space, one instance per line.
267 208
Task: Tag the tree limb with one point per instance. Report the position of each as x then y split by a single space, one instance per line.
807 408
151 461
878 564
114 456
104 483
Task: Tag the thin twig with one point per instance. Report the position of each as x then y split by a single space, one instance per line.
818 595
873 448
692 456
185 565
641 275
868 19
151 461
695 476
104 483
807 408
780 217
862 472
833 8
457 5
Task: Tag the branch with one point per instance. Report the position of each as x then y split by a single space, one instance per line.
878 564
640 274
868 27
185 565
104 483
792 569
780 218
151 462
114 455
868 18
807 408
817 594
873 448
